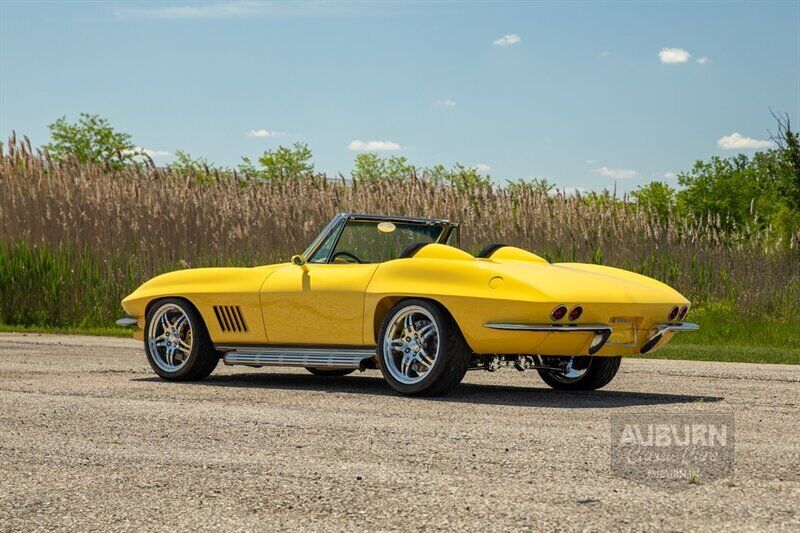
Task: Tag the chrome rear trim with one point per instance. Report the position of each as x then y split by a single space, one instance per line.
551 328
601 331
127 322
664 328
290 356
680 326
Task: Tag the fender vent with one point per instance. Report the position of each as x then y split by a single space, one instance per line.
230 318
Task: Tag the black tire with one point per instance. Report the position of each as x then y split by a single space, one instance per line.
599 374
332 372
203 358
451 363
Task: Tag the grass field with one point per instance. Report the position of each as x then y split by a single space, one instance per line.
99 331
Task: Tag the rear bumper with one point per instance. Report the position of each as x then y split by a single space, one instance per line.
601 331
589 339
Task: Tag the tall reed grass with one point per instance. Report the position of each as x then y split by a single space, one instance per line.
74 239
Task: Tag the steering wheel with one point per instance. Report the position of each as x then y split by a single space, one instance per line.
346 254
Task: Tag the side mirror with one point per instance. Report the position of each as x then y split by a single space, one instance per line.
299 260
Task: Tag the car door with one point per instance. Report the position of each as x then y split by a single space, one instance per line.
316 304
321 300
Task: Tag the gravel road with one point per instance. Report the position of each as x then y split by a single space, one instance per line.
90 439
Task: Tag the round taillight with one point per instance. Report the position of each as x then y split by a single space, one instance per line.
674 313
576 312
683 312
559 312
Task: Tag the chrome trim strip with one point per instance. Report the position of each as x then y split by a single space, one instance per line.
336 233
287 356
663 328
602 332
680 326
127 322
399 218
312 248
289 348
552 328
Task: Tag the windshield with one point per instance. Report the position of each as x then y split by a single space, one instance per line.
373 241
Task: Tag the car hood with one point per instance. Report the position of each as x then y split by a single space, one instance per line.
197 281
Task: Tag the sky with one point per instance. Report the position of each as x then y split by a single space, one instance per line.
588 95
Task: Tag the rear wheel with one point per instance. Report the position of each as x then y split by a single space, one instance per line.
176 342
332 372
580 373
421 349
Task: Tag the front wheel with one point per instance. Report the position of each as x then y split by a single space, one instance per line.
421 349
176 342
580 373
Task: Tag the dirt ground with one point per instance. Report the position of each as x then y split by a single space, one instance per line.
91 439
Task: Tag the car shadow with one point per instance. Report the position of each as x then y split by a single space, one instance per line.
472 393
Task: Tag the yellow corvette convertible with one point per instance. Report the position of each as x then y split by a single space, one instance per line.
396 293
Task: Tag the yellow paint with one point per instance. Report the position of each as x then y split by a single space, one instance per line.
204 288
510 253
342 304
442 251
322 306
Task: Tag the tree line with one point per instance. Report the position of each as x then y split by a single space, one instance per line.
762 189
92 139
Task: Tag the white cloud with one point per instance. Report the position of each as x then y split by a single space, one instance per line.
605 53
616 173
482 168
138 150
702 60
446 102
265 133
373 146
736 141
507 40
572 191
670 175
237 9
674 55
590 161
156 153
207 10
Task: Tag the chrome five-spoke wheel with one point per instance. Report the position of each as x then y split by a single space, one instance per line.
170 337
411 344
421 349
176 341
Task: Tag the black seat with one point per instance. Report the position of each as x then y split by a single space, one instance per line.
490 249
412 249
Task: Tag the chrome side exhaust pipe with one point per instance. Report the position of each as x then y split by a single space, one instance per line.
664 328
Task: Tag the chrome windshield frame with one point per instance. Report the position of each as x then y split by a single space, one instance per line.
319 239
334 225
